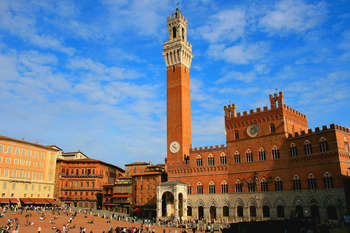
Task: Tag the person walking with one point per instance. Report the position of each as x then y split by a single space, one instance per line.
39 229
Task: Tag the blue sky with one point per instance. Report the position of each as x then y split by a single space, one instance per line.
89 75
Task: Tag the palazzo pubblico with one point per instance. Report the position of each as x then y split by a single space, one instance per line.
272 166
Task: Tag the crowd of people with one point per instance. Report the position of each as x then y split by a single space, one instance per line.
63 220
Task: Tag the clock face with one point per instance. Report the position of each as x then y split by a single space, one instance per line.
253 130
174 147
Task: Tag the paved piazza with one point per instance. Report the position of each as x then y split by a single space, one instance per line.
81 220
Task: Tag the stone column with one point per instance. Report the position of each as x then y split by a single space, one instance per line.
176 205
206 213
159 203
219 213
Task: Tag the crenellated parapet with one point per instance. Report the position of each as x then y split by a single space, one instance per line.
318 130
292 111
207 148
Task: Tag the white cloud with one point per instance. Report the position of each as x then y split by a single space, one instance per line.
235 75
293 16
226 25
239 54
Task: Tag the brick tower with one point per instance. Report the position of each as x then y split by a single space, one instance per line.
178 56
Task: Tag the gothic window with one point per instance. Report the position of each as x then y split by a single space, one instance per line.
266 211
293 150
224 187
252 211
296 183
323 145
249 155
278 184
174 32
346 145
199 161
264 185
183 33
272 128
189 189
237 157
262 154
328 181
280 211
275 153
189 211
238 186
240 211
211 160
236 134
225 211
311 181
199 188
211 187
307 148
251 186
223 158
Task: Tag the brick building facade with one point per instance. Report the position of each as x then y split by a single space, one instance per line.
81 179
272 166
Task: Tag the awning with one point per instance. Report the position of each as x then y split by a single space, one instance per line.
26 200
121 195
4 200
14 200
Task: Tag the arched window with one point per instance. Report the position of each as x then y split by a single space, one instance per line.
280 211
223 158
224 187
77 171
211 160
346 145
189 211
174 32
323 144
278 184
249 155
275 153
225 211
238 186
327 180
296 183
237 157
252 211
240 211
264 185
251 186
266 211
293 150
211 187
189 189
272 128
199 188
183 33
307 148
311 181
262 154
199 161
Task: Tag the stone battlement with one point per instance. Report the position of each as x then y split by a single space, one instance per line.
292 110
177 15
206 148
319 130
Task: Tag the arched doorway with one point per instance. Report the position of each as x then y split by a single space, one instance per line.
200 212
168 204
212 212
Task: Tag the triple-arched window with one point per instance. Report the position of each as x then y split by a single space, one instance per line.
237 157
278 184
312 182
323 144
238 186
307 147
223 158
224 187
293 150
275 153
211 187
199 161
211 161
199 188
262 154
249 155
328 180
264 185
296 183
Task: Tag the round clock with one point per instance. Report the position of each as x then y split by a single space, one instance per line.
253 130
174 147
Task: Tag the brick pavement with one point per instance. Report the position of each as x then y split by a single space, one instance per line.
100 224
